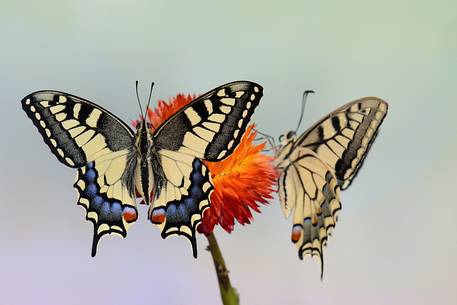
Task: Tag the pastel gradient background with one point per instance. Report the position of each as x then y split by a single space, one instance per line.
396 240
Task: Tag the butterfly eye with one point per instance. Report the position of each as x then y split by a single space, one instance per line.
290 135
138 125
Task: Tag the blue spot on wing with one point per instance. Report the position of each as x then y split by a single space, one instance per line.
197 165
105 210
196 177
196 192
171 213
182 213
189 203
96 202
91 190
89 176
116 208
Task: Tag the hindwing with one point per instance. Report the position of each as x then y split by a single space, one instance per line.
185 195
108 203
308 187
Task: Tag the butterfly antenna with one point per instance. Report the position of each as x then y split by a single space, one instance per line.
149 98
303 103
262 134
270 139
138 98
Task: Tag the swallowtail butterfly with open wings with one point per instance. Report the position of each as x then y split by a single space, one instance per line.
114 162
316 165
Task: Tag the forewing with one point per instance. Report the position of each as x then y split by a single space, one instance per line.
212 125
343 138
76 130
108 203
181 201
309 188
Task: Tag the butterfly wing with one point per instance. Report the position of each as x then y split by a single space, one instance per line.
212 125
83 135
108 203
343 138
184 196
309 188
209 128
76 130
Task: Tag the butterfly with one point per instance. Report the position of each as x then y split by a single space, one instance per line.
314 166
164 166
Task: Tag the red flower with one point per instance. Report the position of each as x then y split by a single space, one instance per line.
241 181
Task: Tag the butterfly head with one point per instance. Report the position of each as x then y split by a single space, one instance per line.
289 136
143 137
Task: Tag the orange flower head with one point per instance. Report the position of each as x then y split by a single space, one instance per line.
241 181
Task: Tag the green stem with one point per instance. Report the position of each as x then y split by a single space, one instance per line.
228 293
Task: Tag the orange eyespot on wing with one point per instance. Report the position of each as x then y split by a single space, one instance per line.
158 216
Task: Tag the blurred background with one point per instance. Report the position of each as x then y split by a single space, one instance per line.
396 239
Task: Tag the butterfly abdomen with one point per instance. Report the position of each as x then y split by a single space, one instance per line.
144 179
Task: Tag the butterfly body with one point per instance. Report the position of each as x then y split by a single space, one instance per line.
282 154
314 166
143 160
163 166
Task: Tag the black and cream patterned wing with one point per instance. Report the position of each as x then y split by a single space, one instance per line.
343 138
183 197
76 130
209 128
108 203
83 135
308 187
212 125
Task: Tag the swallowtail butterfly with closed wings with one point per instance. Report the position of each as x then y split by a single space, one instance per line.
314 166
